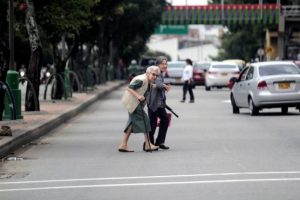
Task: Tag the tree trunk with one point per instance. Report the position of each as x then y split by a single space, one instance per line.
33 74
32 94
59 84
60 65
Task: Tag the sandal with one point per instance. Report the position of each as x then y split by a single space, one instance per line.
124 148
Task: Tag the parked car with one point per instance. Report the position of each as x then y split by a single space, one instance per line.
219 74
146 62
266 85
241 63
200 69
174 72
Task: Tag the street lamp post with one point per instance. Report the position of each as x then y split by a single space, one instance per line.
12 77
11 36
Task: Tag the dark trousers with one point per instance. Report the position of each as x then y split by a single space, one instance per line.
163 125
188 87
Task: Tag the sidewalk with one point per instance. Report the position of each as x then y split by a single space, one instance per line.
51 114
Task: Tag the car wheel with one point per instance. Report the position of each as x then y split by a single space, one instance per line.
253 109
284 110
207 88
235 109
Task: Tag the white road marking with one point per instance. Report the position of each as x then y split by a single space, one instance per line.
152 177
226 101
147 184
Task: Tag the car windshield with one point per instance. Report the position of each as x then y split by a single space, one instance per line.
269 70
202 65
176 65
224 67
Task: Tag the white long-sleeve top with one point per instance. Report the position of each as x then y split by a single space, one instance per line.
187 73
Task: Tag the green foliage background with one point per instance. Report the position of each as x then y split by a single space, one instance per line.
124 24
242 41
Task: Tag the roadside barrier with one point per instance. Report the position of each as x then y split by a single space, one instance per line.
75 79
54 77
36 103
12 104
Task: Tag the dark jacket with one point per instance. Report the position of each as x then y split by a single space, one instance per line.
157 97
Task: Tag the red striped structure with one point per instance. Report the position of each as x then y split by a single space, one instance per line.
218 14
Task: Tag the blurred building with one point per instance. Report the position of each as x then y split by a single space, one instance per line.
198 44
284 41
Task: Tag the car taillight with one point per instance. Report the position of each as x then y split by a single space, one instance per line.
210 72
230 84
262 85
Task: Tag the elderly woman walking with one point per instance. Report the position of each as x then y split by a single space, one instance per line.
134 101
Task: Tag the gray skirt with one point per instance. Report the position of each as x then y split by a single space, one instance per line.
138 123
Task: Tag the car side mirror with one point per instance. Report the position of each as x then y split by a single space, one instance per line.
231 82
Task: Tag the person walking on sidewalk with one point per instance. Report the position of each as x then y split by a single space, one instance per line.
187 78
157 105
134 101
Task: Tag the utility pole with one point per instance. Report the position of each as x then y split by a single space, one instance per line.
11 36
222 4
12 77
261 9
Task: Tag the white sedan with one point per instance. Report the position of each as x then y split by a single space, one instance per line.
219 73
266 85
174 72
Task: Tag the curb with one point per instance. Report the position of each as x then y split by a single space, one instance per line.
46 127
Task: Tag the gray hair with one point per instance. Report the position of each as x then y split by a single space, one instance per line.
153 68
160 59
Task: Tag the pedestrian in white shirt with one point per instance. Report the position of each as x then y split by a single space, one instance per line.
187 78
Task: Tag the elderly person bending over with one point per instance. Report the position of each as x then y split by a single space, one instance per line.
134 101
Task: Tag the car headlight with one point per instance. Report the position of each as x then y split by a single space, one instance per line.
22 73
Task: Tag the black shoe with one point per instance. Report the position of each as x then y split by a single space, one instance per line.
162 146
182 101
192 101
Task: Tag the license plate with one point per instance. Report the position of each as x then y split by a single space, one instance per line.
178 80
224 74
284 86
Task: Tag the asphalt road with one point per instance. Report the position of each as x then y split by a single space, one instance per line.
214 155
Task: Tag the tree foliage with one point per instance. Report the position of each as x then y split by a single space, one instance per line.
135 26
242 41
116 29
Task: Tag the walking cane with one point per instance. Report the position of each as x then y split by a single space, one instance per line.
148 137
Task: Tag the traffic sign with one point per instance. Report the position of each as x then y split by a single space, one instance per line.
260 52
172 29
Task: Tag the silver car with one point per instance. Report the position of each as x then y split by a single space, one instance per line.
174 72
219 74
266 85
